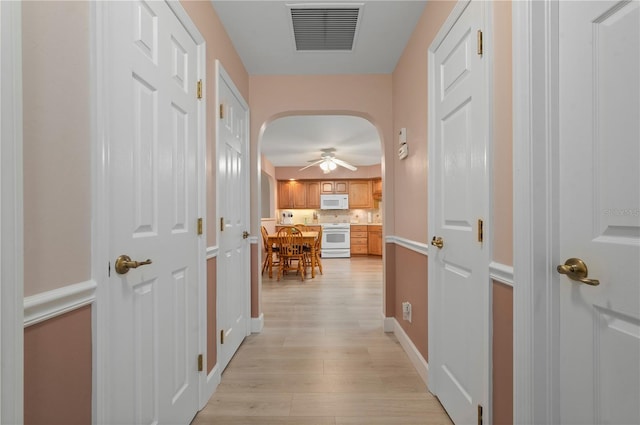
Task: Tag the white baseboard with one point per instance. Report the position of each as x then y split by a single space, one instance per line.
388 323
210 386
49 304
257 324
421 365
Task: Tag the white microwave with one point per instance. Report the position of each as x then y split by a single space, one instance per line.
334 202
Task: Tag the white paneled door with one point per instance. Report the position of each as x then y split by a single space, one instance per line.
458 198
233 282
600 211
151 311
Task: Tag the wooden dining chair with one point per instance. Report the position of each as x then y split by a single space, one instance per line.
318 247
290 251
269 262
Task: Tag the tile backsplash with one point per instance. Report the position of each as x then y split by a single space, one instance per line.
334 216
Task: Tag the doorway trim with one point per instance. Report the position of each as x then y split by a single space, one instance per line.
101 227
535 148
11 215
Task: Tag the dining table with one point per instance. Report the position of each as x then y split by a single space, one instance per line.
308 238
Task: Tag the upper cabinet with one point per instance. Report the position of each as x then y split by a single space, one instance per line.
360 194
305 194
313 195
338 186
292 194
377 189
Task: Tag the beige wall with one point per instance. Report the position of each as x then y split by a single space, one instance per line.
503 133
57 149
410 111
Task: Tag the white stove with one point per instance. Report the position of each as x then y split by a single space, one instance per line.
336 240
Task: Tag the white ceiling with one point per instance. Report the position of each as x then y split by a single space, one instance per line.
262 34
296 140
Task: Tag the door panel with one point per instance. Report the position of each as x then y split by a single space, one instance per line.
233 267
600 211
152 310
458 270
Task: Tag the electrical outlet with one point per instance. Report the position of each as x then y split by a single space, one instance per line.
406 311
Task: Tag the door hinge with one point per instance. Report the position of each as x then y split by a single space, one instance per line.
200 225
222 336
479 414
221 111
222 224
200 363
109 270
480 230
480 47
199 89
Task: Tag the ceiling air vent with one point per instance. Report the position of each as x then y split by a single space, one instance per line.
325 28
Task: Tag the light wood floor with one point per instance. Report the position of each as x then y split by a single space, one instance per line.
323 359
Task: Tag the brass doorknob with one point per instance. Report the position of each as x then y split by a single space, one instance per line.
576 269
245 234
438 242
124 263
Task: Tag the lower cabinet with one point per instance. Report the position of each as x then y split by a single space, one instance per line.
374 237
359 239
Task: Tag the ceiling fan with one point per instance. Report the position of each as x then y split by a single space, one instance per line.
328 162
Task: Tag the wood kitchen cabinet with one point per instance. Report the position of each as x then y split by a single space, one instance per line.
374 239
313 195
337 186
360 194
376 189
292 194
359 238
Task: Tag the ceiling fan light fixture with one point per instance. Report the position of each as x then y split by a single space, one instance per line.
327 166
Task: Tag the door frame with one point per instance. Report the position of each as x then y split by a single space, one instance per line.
487 33
11 215
222 75
101 202
535 212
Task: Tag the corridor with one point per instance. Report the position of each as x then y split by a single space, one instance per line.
323 359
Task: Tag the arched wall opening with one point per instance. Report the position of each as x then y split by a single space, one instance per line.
368 96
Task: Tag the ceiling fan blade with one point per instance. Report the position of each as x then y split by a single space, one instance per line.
344 164
312 164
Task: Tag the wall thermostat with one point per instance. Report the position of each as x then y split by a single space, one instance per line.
403 150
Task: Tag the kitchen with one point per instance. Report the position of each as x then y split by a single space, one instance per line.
341 191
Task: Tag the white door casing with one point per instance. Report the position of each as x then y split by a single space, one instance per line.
458 197
148 331
233 266
599 206
11 215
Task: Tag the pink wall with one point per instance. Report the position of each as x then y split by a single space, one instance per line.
57 370
275 96
410 111
212 326
57 134
502 345
411 285
219 47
